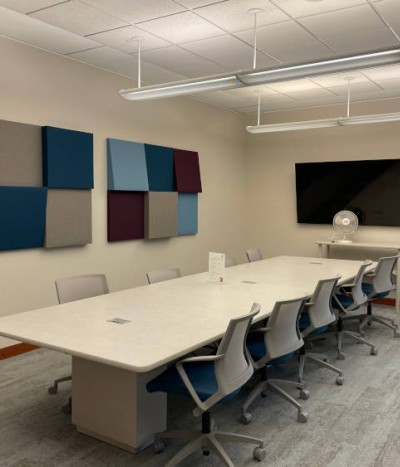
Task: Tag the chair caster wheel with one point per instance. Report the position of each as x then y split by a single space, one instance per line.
374 351
259 454
206 452
339 380
396 334
302 417
158 446
245 418
326 360
304 394
264 394
341 356
52 390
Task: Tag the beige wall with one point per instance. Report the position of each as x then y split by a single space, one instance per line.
271 196
45 89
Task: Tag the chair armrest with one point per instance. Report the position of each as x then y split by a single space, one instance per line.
265 329
202 358
339 303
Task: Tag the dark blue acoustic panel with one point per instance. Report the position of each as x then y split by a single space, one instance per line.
22 217
67 158
160 167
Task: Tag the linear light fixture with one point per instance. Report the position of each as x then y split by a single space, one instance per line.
326 123
258 76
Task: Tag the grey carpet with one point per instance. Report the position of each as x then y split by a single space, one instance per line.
357 424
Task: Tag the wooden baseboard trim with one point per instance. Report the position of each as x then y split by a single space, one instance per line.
385 301
15 350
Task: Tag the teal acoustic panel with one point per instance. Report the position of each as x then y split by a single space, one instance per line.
187 213
68 218
67 158
20 154
161 214
126 163
22 217
160 167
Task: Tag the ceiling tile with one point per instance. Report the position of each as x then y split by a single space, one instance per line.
154 74
26 6
339 79
228 51
343 22
390 84
182 27
361 40
182 62
198 3
234 16
253 91
221 99
109 59
314 50
390 10
356 89
136 11
297 9
382 73
278 36
77 17
294 86
34 32
119 39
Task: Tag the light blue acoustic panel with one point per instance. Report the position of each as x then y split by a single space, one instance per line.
67 158
22 217
187 213
126 162
160 167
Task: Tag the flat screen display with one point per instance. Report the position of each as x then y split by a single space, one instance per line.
371 189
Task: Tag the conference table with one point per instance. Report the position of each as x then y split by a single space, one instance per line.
120 341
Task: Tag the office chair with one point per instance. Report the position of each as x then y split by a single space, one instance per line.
254 254
380 284
209 380
346 300
230 261
271 345
314 322
74 288
160 275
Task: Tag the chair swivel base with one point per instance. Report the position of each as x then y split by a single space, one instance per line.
356 337
207 442
322 361
54 389
274 385
388 322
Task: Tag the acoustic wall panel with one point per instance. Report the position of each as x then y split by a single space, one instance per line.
22 217
161 214
160 167
187 171
68 218
125 215
20 154
187 213
67 158
126 166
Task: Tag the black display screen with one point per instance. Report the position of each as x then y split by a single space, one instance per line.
371 189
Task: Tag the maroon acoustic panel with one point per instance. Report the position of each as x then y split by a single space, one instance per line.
187 171
125 215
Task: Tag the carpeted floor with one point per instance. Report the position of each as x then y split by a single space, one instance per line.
357 424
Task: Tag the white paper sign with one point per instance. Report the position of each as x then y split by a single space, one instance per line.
216 266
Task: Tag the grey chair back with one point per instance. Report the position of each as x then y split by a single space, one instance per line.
74 288
160 275
382 277
254 254
230 261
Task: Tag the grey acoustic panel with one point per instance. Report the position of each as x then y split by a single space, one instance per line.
20 154
68 218
161 214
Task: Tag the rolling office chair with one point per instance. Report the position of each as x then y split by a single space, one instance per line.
380 284
74 288
271 345
346 300
209 380
254 254
160 275
314 321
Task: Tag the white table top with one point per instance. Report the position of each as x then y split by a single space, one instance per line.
169 319
389 246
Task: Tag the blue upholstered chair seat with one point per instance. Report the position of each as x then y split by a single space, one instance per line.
256 346
346 301
367 288
201 375
305 322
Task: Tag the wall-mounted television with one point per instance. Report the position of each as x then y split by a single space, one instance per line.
369 188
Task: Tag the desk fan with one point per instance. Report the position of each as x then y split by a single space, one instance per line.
345 223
